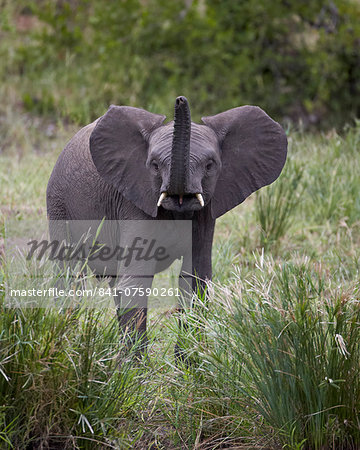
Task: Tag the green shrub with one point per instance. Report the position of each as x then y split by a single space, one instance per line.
297 60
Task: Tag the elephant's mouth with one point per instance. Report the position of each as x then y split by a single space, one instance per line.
181 203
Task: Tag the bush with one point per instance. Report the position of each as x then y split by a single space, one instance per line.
296 60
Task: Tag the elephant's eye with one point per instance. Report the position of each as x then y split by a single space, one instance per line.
210 165
155 165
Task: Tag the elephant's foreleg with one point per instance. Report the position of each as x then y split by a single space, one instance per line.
185 288
131 306
132 322
199 266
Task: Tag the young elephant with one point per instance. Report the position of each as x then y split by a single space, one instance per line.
129 165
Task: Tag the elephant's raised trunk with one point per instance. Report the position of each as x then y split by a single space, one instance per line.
179 168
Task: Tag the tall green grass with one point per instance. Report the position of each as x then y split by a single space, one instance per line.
61 381
286 344
276 204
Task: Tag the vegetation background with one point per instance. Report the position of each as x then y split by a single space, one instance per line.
275 350
298 59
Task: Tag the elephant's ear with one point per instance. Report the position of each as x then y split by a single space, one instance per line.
119 149
253 151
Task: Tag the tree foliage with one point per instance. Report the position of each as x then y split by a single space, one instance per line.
296 59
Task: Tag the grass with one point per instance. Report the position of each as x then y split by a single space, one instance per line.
275 207
60 380
297 372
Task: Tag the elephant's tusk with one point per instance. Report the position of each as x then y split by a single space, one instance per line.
200 198
161 198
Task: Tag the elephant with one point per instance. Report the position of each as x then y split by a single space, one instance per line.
131 165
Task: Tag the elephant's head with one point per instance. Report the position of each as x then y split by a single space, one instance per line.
183 166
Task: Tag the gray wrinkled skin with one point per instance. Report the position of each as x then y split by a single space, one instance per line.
118 166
